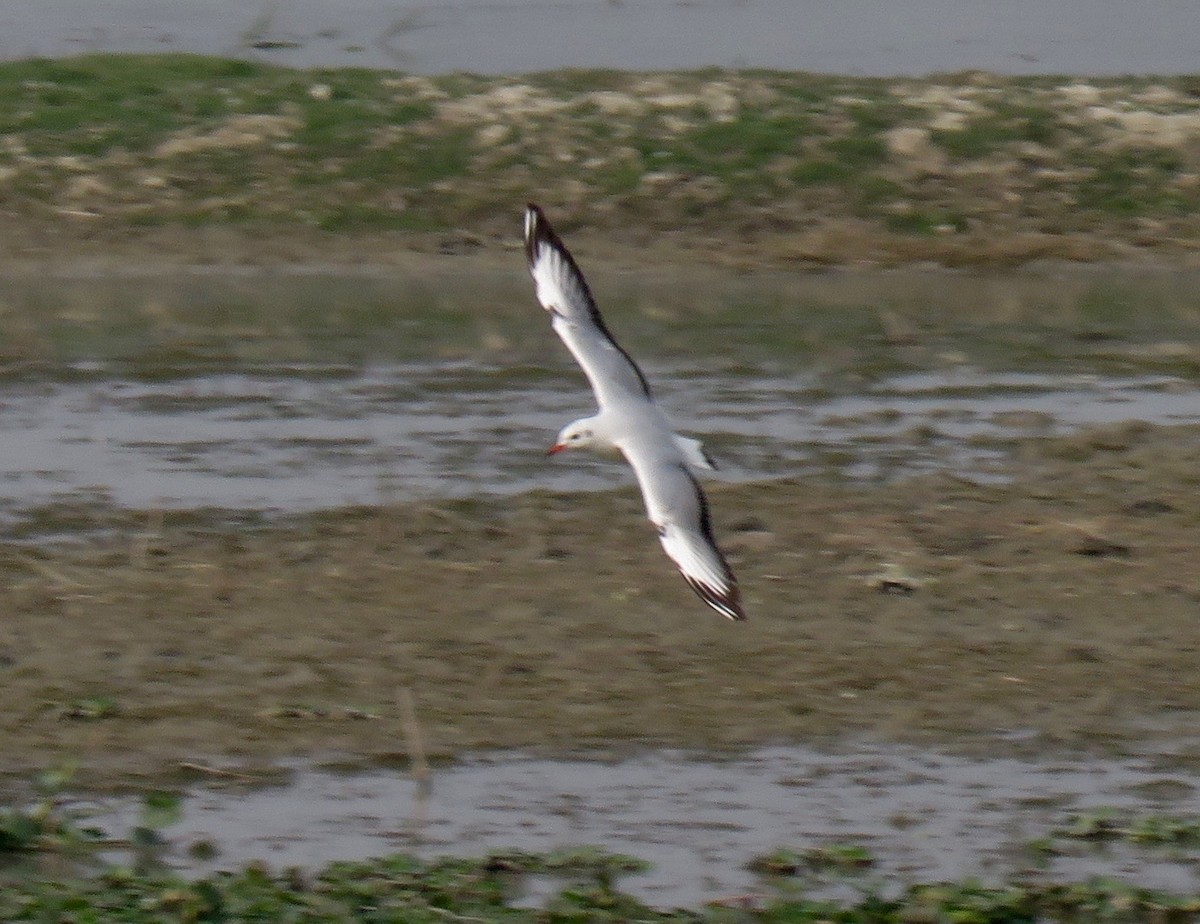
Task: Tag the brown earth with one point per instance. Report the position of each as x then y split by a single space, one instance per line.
1064 604
97 246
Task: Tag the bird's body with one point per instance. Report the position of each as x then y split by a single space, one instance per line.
605 433
630 422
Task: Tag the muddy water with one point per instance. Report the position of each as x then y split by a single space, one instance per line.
281 441
926 816
873 37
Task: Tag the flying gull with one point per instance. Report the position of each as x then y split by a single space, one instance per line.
629 421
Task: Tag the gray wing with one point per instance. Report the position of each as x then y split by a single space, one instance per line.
564 293
678 509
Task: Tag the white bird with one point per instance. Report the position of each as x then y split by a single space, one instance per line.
629 421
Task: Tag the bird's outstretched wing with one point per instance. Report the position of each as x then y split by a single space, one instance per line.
678 509
564 293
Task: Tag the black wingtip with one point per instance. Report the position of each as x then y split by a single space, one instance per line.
728 604
536 229
539 235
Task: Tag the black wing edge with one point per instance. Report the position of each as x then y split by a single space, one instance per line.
538 230
728 604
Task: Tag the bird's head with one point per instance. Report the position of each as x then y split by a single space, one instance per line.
581 434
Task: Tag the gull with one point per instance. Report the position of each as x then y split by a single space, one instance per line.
629 422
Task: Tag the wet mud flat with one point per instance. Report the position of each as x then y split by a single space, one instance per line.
1059 606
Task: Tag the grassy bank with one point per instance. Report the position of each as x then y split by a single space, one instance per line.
969 168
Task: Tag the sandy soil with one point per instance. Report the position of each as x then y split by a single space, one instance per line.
1063 604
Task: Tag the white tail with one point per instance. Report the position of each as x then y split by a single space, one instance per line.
694 454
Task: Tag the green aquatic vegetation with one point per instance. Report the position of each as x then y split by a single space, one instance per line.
19 830
1108 824
482 888
403 888
831 858
159 810
589 861
1157 829
972 903
47 824
89 708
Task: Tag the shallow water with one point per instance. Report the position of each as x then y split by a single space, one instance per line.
868 37
277 440
301 390
926 816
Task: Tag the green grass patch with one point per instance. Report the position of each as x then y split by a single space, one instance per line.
872 192
1127 183
998 129
353 150
822 172
878 114
858 150
747 143
571 82
621 179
